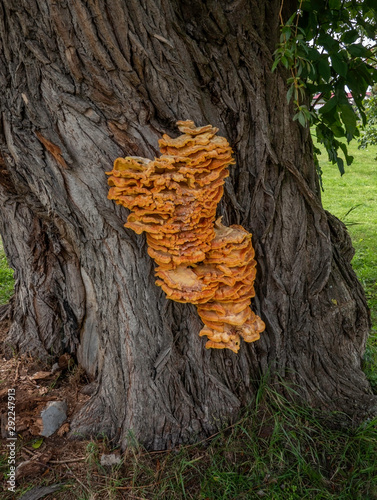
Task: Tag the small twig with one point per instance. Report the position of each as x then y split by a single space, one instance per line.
138 487
28 451
280 12
16 374
298 17
72 460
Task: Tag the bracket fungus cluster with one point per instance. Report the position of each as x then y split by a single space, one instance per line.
173 199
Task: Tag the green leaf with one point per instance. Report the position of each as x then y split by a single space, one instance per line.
350 36
339 65
291 19
328 42
358 50
370 30
308 114
286 33
340 163
355 82
349 159
301 118
363 117
37 443
348 117
274 66
290 92
367 73
301 89
313 54
337 129
284 61
330 104
335 4
324 69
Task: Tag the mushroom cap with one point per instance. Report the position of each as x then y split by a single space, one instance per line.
233 345
231 318
227 339
181 278
224 308
188 127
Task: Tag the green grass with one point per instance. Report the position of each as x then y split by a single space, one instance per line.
353 199
6 278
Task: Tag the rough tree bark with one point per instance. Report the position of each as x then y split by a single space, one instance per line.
87 81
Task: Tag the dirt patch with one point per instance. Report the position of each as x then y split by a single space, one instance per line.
43 459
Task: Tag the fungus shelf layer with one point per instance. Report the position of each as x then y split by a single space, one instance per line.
173 199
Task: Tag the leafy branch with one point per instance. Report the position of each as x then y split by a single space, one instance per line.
321 47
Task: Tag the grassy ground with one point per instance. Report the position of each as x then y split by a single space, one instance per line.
277 451
353 199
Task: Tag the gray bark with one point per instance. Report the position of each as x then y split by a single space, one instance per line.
88 81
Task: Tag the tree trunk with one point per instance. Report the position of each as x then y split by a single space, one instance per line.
85 82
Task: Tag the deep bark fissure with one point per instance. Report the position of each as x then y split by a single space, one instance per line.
86 82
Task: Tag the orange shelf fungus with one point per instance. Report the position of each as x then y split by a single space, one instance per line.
173 199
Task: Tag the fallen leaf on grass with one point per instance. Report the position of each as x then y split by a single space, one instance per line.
37 443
